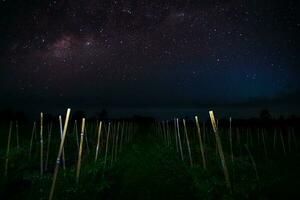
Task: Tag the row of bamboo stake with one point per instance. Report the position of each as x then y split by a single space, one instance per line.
117 135
164 130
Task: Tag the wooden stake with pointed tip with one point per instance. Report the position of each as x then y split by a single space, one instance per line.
32 136
220 149
42 145
201 143
187 142
80 150
59 154
98 140
8 148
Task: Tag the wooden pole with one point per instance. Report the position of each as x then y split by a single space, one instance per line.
76 133
252 161
121 140
264 143
282 143
86 139
42 146
8 148
32 136
230 138
80 150
17 135
201 143
48 145
106 148
179 139
220 149
59 154
176 139
61 134
117 141
98 140
188 143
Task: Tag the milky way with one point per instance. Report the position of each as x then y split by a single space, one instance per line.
148 53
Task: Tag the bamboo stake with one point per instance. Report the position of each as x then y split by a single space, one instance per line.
113 135
117 141
164 131
238 140
175 131
188 143
42 145
168 134
179 139
98 140
282 142
294 139
230 138
204 134
61 134
80 149
252 161
17 134
122 132
264 143
106 148
86 140
274 139
76 133
31 139
8 148
220 150
48 145
200 142
59 154
289 140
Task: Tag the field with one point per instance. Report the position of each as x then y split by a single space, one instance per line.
144 158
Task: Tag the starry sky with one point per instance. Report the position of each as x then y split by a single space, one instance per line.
149 53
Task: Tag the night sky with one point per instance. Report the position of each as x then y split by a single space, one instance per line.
149 54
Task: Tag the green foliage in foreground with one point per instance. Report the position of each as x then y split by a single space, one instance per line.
147 169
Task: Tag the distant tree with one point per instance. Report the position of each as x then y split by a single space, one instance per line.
78 115
48 117
102 115
265 115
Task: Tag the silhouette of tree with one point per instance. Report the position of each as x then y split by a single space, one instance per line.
265 115
102 115
78 115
